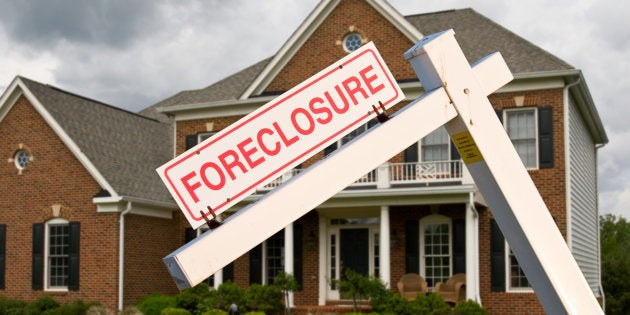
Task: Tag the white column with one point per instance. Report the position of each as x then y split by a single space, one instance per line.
218 278
288 255
384 256
323 271
472 257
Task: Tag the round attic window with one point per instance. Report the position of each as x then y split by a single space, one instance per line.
352 42
21 159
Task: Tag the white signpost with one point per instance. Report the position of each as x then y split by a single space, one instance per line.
222 170
456 97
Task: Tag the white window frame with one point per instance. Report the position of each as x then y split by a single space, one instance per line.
505 125
47 286
436 219
508 276
265 260
422 145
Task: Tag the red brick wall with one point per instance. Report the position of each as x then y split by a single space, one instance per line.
54 177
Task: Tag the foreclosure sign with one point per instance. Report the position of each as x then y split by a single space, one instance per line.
224 169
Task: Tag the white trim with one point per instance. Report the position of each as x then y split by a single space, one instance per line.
508 267
46 253
536 135
436 219
384 247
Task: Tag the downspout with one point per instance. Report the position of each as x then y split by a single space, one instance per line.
121 255
476 239
600 286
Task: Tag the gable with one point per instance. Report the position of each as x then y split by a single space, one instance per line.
324 45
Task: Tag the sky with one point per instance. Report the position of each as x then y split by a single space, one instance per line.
134 53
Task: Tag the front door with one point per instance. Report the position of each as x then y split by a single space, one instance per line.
354 251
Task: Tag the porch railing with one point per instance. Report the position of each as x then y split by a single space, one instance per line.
391 174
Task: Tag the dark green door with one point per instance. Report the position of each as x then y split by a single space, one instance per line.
354 251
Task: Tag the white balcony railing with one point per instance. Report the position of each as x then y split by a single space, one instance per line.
397 174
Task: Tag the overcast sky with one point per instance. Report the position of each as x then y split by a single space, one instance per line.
134 53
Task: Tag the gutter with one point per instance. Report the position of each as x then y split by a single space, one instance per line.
121 255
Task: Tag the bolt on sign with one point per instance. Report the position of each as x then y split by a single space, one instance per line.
227 167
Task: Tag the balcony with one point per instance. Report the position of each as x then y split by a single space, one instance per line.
392 175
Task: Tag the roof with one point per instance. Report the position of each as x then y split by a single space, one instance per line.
477 35
124 147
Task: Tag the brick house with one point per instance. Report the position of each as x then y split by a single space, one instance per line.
418 213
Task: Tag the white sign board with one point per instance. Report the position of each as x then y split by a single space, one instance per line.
229 166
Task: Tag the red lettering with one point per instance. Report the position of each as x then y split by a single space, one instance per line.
247 153
204 176
332 103
283 137
229 165
320 110
259 138
353 86
368 80
191 188
297 126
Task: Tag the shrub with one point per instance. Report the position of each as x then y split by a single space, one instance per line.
191 298
267 299
255 313
77 307
154 304
227 293
42 304
174 311
469 307
215 312
432 304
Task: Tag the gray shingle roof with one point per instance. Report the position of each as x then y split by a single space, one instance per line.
125 147
479 36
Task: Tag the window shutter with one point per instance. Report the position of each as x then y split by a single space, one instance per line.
497 258
3 250
228 273
411 153
73 273
191 141
412 247
189 235
37 265
297 253
459 246
255 265
545 137
330 149
499 115
455 156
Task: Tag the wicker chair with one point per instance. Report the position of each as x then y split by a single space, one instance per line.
453 290
410 285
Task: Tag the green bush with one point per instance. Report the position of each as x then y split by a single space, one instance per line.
190 299
10 306
77 307
215 312
469 307
432 304
267 299
154 304
227 293
175 311
255 313
43 304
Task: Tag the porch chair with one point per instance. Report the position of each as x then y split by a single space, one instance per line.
453 290
410 285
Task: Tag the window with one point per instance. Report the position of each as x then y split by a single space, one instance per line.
55 264
435 249
521 127
517 281
352 42
273 257
435 146
21 159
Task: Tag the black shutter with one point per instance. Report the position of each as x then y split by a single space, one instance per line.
459 246
191 141
297 253
228 272
330 149
499 115
545 136
455 156
255 265
3 250
189 235
411 153
37 271
497 258
73 249
412 247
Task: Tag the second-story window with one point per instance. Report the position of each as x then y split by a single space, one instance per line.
521 127
435 146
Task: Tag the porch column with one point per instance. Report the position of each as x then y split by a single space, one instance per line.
472 251
323 266
384 255
218 278
288 255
